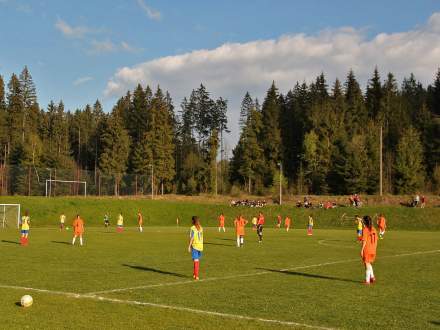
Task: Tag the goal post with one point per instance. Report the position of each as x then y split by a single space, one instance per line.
10 215
50 182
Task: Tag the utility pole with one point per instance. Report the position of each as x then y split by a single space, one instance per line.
152 181
281 177
380 166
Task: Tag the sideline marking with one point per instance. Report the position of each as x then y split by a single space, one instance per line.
254 274
170 307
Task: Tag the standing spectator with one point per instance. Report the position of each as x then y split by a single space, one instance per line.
423 202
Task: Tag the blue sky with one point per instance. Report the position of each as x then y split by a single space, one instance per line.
74 48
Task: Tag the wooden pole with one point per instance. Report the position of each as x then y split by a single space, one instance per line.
380 165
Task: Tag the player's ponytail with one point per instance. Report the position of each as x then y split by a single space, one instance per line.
368 222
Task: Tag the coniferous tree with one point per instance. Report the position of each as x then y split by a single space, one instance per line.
115 146
409 162
270 133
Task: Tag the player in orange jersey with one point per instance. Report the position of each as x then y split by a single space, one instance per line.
78 229
287 223
369 246
140 219
239 224
382 225
260 224
221 223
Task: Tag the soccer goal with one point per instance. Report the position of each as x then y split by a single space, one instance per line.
65 187
10 215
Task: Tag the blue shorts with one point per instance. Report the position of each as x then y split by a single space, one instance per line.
23 231
196 254
359 232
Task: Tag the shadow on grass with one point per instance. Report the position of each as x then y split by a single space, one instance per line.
226 239
153 270
437 323
18 304
209 243
61 242
323 277
11 242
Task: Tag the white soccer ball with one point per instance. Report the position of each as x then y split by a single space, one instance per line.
26 301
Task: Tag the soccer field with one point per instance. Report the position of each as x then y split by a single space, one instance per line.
144 280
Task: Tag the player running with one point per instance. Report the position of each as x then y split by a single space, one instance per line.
382 225
359 227
78 230
310 226
195 246
62 221
260 224
221 223
279 220
368 251
120 223
239 224
25 221
140 221
287 222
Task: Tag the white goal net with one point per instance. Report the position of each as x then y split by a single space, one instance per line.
65 188
10 215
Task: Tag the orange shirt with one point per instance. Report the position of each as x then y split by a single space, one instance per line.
78 226
239 226
369 236
260 220
221 221
381 222
140 219
279 219
287 221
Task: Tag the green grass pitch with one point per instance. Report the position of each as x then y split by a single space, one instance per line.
290 280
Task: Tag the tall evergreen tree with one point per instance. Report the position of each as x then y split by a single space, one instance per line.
409 162
270 133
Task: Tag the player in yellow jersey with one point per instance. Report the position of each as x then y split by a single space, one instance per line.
359 227
25 220
120 223
310 226
62 221
195 246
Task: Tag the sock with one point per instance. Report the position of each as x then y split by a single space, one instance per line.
367 274
238 241
218 229
81 240
371 271
73 241
141 229
196 268
241 240
224 230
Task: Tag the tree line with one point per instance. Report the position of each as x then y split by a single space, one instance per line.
324 140
327 140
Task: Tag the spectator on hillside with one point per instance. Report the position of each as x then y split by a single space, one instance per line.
416 201
423 202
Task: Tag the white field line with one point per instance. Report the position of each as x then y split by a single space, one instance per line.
170 307
254 274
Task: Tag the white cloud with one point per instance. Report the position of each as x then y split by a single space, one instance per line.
82 80
125 46
234 68
99 47
72 31
150 12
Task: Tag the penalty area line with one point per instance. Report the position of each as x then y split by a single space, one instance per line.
169 307
210 279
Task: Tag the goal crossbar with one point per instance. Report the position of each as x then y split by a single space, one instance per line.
3 219
49 185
